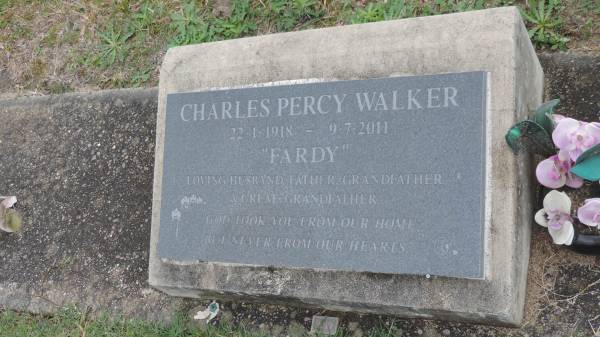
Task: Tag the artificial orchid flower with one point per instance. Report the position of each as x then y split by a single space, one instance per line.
575 136
554 172
556 216
589 213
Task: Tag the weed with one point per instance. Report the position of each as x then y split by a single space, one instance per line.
4 15
238 24
140 77
21 32
55 87
148 18
189 26
461 6
590 6
371 13
50 38
113 47
193 25
587 29
38 68
394 9
545 21
70 37
288 15
122 6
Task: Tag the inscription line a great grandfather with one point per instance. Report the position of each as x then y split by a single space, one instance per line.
375 175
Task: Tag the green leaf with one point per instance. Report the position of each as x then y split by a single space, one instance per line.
589 153
530 136
588 169
543 115
587 165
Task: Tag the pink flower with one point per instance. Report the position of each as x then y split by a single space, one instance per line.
554 172
575 137
589 213
556 215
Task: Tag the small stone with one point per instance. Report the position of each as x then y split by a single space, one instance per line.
419 332
446 332
296 329
352 326
357 333
326 325
263 329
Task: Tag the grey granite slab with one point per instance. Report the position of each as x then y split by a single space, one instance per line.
381 175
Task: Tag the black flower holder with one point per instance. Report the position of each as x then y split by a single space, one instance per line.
572 152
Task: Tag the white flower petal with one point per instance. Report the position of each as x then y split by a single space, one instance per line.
8 202
540 218
558 201
563 236
200 315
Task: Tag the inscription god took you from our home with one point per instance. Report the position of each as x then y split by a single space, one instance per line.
350 175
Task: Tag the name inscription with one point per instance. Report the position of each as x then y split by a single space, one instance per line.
383 175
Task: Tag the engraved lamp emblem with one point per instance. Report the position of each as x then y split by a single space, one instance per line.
176 215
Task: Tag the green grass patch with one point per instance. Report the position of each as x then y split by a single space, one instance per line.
120 43
70 322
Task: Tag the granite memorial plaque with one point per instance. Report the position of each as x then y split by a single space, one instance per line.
381 175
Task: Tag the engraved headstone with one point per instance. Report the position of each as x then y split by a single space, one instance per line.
356 168
380 175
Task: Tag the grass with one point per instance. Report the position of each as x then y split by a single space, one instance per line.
51 46
70 322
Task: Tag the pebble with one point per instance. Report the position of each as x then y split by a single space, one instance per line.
357 333
352 326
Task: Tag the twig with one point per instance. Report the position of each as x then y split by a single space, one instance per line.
47 300
573 298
